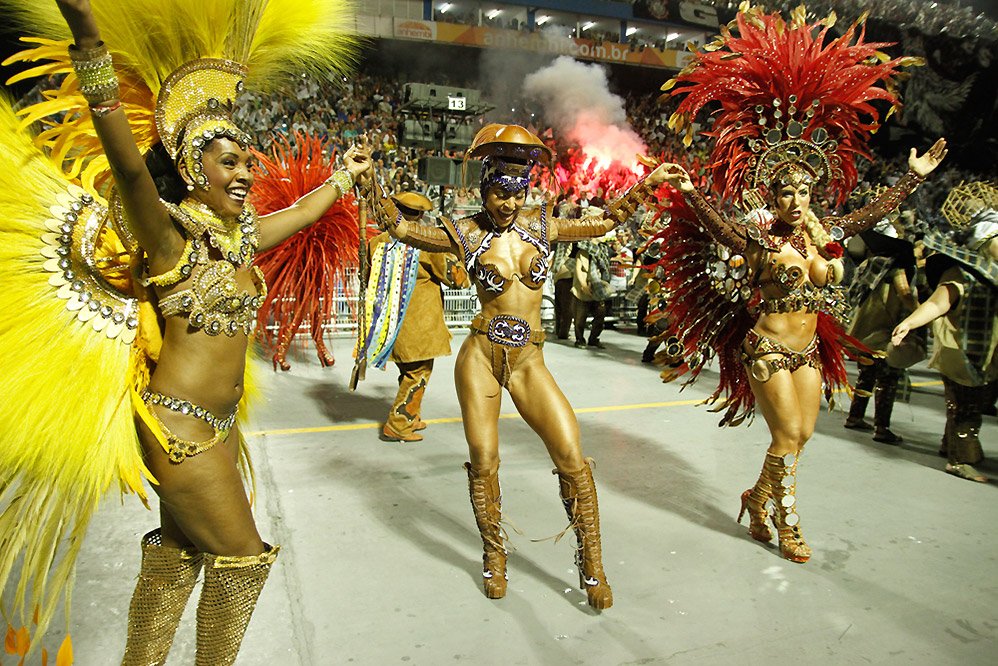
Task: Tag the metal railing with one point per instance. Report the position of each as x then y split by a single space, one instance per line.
460 306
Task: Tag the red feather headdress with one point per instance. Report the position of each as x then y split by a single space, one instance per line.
792 106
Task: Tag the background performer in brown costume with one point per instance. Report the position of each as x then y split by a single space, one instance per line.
423 335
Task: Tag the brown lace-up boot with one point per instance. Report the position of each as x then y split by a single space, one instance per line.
486 500
578 494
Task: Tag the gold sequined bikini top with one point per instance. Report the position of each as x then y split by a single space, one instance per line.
213 302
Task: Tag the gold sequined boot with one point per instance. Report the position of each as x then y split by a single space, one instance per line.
486 500
165 582
754 501
578 494
782 474
231 588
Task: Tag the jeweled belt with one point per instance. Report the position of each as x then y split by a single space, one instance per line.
506 330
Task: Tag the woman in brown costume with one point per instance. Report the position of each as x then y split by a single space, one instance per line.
505 248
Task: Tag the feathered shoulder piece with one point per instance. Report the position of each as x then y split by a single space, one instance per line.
303 272
177 61
704 295
795 106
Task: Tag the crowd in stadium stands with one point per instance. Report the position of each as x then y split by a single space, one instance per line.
929 17
369 103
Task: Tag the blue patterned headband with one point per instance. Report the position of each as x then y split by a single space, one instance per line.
511 176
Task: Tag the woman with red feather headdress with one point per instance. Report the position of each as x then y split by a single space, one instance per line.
795 111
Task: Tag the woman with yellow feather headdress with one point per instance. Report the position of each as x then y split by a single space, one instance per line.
167 271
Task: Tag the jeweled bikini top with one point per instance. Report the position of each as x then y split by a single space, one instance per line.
214 302
797 292
476 238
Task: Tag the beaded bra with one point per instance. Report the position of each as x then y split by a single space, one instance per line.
214 302
475 240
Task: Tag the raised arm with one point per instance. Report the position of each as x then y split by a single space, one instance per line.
280 225
918 168
420 236
148 221
721 230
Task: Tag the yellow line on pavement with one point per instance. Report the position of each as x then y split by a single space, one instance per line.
367 426
584 410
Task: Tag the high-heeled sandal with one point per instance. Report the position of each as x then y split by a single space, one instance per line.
782 474
754 501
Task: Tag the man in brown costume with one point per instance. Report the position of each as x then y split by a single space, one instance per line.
964 276
423 335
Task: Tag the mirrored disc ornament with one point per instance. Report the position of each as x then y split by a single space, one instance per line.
761 370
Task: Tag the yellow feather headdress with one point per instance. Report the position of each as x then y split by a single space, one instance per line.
180 64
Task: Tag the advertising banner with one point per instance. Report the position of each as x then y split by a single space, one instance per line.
540 42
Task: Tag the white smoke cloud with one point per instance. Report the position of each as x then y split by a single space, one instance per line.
579 105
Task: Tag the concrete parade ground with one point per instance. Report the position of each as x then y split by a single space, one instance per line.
381 559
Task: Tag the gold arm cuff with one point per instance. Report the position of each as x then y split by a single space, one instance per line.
623 208
95 71
342 179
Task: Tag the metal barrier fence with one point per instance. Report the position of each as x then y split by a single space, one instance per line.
460 306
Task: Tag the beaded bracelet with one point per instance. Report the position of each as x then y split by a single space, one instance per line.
341 178
95 71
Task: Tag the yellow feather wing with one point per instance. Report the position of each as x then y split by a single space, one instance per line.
66 423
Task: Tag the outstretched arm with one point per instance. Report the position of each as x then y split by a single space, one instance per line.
147 219
938 304
919 166
721 230
615 213
280 225
420 236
